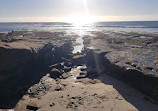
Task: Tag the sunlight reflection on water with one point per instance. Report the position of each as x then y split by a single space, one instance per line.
81 31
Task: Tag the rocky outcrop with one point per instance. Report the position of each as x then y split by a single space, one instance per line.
130 57
99 64
21 68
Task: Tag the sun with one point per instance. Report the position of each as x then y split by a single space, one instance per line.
82 19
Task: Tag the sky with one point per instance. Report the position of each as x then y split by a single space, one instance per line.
75 10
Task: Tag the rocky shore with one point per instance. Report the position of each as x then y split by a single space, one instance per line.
39 71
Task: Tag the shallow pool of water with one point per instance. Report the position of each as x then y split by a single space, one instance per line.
78 48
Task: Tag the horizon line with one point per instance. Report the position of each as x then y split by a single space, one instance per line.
70 22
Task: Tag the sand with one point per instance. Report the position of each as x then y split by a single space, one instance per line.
108 94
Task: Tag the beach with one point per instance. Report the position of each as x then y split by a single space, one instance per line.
79 69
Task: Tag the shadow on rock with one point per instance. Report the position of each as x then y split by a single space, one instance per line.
21 68
99 67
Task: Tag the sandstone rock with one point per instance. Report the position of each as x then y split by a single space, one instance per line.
38 90
58 88
78 56
71 105
82 75
68 64
156 62
55 73
88 81
57 66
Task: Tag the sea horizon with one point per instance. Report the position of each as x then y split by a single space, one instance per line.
117 26
72 22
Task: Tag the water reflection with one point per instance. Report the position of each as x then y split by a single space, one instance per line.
80 30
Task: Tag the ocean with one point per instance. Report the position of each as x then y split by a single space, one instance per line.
137 26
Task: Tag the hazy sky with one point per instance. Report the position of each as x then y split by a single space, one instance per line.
60 10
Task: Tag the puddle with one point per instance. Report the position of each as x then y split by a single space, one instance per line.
149 60
75 72
21 36
132 67
148 52
136 63
91 47
151 71
144 37
136 46
79 47
29 32
146 60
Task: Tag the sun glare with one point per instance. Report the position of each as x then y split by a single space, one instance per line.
79 20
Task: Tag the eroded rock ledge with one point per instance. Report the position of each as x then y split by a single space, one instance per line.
24 62
131 58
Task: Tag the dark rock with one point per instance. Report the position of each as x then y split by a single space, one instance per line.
55 73
67 69
149 68
57 66
81 76
83 69
83 73
128 63
95 94
52 104
32 108
61 96
134 65
68 64
64 76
